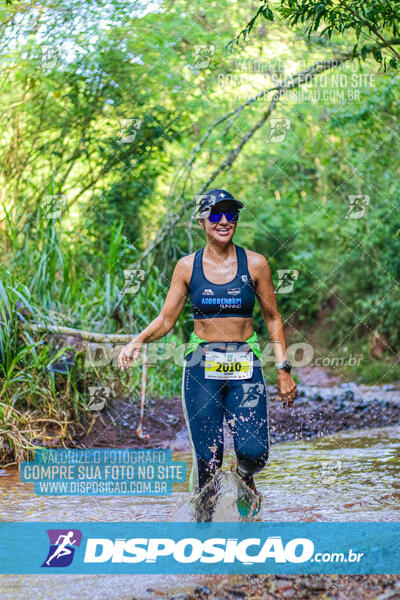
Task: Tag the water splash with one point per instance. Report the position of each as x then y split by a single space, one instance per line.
226 498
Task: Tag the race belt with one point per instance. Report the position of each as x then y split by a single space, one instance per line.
229 365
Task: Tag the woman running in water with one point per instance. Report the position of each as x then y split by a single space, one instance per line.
222 373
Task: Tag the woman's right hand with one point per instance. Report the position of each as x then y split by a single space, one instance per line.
129 354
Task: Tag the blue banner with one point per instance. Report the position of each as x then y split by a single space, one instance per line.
155 548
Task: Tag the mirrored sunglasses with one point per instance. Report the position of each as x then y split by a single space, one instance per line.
232 217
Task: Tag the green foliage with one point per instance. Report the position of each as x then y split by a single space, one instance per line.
367 20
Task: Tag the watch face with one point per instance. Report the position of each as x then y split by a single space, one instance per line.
285 366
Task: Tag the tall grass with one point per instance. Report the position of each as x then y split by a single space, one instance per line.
74 286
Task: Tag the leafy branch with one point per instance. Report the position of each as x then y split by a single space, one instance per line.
370 17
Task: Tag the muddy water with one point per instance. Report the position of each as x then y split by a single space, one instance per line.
349 476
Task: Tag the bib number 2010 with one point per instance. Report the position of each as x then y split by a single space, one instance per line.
228 367
237 365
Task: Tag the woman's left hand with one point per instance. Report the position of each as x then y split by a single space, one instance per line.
287 388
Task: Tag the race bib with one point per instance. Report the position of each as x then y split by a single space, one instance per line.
229 365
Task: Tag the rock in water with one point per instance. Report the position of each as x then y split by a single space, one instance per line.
225 498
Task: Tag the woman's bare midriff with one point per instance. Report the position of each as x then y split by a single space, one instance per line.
224 329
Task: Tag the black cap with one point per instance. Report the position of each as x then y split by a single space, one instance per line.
212 197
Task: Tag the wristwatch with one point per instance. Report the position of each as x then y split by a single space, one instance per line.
286 365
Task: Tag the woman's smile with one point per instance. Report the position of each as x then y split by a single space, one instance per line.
223 230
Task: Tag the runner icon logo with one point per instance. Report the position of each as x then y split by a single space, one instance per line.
208 292
98 395
251 395
62 547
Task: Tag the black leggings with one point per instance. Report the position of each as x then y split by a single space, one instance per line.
205 402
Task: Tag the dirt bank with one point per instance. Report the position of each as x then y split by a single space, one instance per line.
318 411
298 587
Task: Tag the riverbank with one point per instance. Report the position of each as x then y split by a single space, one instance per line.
318 411
299 587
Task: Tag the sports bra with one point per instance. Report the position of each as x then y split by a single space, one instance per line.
214 300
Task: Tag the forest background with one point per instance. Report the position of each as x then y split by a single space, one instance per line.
118 115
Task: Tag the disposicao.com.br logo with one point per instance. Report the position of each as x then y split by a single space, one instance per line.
164 551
